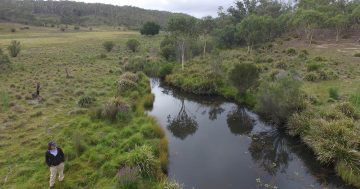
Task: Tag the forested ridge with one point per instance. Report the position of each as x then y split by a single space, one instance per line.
34 12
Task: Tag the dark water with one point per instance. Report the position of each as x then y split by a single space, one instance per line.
214 144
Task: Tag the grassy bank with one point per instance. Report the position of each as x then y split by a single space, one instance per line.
100 125
312 91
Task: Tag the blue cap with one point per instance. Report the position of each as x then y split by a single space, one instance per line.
52 143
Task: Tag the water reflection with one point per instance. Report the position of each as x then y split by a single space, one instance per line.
269 150
182 125
215 111
239 122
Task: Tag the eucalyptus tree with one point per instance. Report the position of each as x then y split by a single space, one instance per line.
182 29
206 25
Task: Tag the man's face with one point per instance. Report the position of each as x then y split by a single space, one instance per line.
53 147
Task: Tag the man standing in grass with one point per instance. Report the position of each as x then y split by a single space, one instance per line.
54 158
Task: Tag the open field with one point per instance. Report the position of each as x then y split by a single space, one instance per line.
95 149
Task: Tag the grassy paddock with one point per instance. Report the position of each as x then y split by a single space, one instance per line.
69 67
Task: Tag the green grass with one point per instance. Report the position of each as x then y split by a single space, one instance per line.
95 148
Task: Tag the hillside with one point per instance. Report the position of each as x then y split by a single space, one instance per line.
51 13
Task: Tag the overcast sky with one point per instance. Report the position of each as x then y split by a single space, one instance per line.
197 8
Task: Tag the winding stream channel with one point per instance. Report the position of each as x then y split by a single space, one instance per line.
216 144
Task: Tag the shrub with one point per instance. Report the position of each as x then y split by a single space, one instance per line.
130 76
165 70
150 28
327 75
243 76
4 59
13 30
85 101
334 93
143 158
291 52
319 59
116 109
279 100
133 45
357 55
102 56
311 77
168 48
76 27
135 64
14 48
313 66
108 45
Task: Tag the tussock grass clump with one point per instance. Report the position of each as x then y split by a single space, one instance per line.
128 177
14 48
86 101
355 99
347 109
4 59
334 93
313 66
125 85
311 77
143 158
130 76
149 101
116 109
333 135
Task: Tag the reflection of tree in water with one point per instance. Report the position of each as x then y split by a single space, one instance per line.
270 150
182 125
239 122
214 111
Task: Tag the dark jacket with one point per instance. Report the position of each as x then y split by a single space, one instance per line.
52 160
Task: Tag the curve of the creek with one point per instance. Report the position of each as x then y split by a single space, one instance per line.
217 144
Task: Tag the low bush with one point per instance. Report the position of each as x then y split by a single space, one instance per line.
125 85
327 75
319 59
279 100
13 30
116 109
86 101
291 52
108 45
243 76
312 76
130 76
166 69
312 66
357 55
133 45
14 48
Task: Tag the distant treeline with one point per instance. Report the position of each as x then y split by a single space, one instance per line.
51 13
